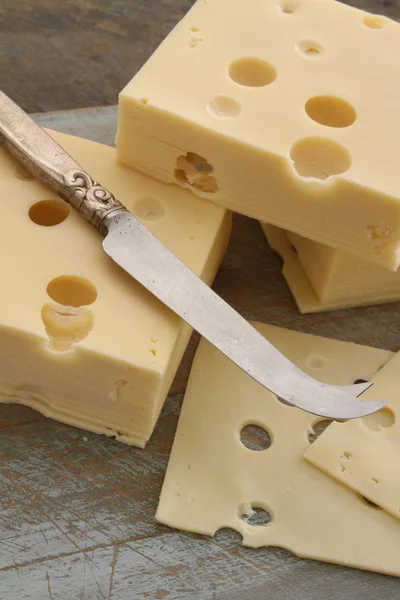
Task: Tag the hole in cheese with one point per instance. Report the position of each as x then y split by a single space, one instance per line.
252 72
149 209
309 48
374 21
319 158
382 419
330 111
49 212
66 325
224 107
194 171
226 536
255 437
70 290
256 516
317 428
288 7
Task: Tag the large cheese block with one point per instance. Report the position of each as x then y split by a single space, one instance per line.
322 278
80 340
237 461
284 110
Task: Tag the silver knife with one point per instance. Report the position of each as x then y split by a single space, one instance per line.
131 245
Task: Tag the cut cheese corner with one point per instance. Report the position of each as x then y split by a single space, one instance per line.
81 341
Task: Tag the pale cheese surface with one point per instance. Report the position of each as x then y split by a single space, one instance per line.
364 455
81 341
213 481
284 110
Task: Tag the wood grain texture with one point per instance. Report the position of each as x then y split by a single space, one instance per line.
77 509
63 54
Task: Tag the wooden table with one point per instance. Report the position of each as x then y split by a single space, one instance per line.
77 509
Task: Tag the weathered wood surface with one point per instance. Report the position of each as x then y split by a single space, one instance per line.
64 54
76 509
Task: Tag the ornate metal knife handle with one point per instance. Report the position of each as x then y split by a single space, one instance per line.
48 162
90 199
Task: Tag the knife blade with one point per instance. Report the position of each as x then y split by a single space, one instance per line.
136 250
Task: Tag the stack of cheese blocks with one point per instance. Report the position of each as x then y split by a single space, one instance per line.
285 111
277 109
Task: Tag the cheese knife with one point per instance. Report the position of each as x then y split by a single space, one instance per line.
136 250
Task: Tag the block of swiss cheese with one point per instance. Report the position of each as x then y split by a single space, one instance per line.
322 278
284 110
80 340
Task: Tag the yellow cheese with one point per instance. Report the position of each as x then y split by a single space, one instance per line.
219 475
284 110
81 341
365 454
322 278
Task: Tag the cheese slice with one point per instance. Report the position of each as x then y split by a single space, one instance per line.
81 341
213 481
364 455
322 278
277 109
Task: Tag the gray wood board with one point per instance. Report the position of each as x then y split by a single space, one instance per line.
60 55
77 509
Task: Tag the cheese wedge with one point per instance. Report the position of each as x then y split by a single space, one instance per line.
276 109
81 341
364 455
322 278
215 480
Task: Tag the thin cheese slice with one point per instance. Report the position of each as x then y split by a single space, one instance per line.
81 341
213 481
364 455
322 278
277 109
